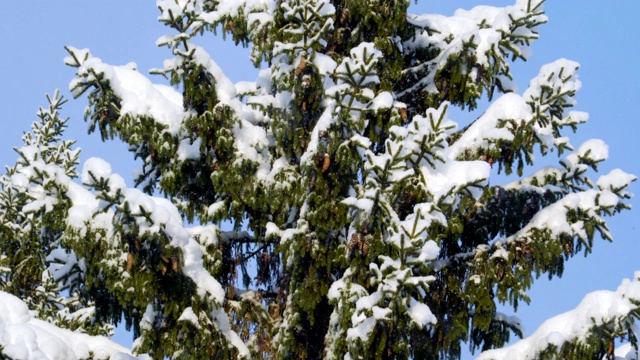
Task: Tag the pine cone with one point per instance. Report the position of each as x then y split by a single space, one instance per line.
301 67
264 35
326 162
403 114
174 263
355 241
344 15
129 262
364 246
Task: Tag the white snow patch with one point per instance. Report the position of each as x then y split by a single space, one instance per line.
597 307
139 96
99 168
190 316
420 313
24 337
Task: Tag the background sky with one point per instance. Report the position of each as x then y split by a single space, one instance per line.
603 36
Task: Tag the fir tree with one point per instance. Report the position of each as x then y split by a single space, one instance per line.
330 209
33 207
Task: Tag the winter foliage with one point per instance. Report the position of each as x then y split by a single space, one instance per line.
331 209
26 337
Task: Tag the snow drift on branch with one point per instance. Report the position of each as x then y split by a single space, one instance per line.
24 337
597 308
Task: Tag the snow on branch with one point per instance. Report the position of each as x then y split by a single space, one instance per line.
488 34
118 209
250 137
155 214
24 337
209 13
513 124
572 175
136 94
592 203
309 21
369 214
246 20
612 310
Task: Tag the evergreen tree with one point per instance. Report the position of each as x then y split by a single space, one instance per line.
330 209
33 207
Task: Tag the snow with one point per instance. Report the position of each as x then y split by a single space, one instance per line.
164 218
251 141
222 321
95 169
366 205
310 21
164 212
279 174
138 95
323 123
225 89
336 288
560 73
260 9
384 100
245 87
84 204
189 316
362 330
418 150
554 216
214 208
324 63
420 313
362 58
608 199
450 34
486 128
148 318
19 181
61 264
429 251
554 86
596 308
206 235
626 352
25 337
189 149
454 174
509 319
616 179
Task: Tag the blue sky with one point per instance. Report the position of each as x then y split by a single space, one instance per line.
603 36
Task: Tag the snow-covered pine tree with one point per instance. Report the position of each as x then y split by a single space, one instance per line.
331 208
33 208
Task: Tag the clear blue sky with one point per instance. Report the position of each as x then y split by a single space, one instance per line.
603 36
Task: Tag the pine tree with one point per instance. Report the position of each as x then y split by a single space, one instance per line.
33 207
330 209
